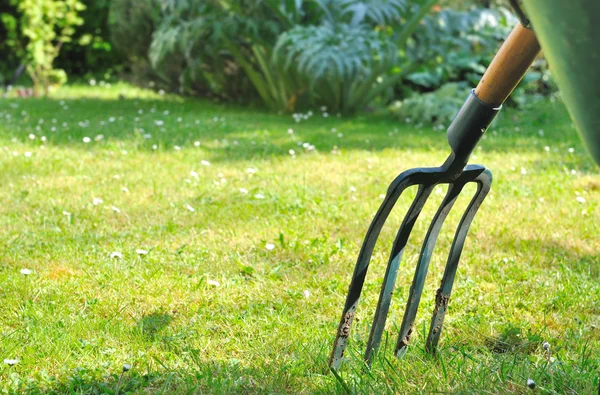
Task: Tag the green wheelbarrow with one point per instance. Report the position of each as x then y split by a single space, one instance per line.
569 33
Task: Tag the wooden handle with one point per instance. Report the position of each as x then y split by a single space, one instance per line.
508 66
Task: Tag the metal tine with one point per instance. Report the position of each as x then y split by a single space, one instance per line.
391 272
416 288
403 181
484 183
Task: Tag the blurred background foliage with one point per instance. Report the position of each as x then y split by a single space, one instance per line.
410 56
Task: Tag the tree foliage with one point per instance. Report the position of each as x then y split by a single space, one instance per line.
90 50
47 25
11 41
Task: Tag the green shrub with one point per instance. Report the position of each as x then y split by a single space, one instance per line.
293 53
345 57
190 49
457 46
90 51
437 108
131 24
11 41
47 25
451 46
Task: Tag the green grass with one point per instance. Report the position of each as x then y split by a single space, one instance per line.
210 309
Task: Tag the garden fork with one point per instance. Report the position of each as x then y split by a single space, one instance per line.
483 103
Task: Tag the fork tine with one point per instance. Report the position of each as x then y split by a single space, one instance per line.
396 188
484 183
389 280
416 288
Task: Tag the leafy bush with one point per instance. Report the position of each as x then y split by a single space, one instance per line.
453 49
131 24
47 24
11 42
354 45
292 52
456 45
90 50
438 107
195 46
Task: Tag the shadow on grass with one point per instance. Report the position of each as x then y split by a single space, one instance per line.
150 325
472 370
232 132
205 377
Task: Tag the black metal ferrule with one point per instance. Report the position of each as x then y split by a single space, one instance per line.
469 125
517 6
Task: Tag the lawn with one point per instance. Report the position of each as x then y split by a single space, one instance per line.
210 247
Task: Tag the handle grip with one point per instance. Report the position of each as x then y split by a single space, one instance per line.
508 67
